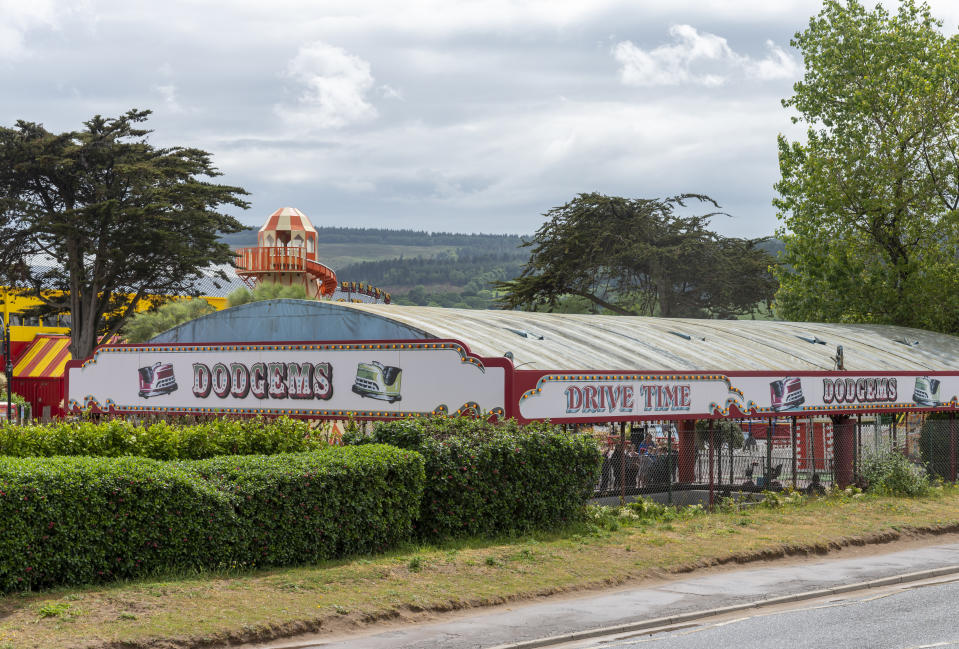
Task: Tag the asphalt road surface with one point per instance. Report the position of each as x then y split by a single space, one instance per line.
905 616
897 619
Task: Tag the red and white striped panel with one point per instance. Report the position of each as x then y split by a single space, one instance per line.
288 219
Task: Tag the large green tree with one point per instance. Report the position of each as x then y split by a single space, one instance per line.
95 221
640 257
868 203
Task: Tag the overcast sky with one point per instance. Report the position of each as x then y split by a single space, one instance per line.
465 116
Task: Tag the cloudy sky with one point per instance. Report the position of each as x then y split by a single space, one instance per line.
452 115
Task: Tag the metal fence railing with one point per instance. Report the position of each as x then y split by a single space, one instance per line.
758 454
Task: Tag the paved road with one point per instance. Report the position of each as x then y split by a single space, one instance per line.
897 618
504 625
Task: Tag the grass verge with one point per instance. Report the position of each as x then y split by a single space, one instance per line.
199 610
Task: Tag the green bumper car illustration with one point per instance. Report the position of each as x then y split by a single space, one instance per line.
378 381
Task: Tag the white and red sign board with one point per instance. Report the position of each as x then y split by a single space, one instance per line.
376 379
595 397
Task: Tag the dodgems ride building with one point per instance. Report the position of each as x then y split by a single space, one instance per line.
805 386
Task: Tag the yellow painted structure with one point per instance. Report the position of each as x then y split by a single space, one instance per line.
13 305
45 358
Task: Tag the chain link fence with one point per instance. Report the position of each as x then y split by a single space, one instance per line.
751 455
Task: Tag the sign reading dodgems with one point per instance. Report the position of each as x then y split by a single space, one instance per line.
387 379
276 380
594 397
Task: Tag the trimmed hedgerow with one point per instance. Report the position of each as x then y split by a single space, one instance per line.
159 440
489 479
72 520
312 506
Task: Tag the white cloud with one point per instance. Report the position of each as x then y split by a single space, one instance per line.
168 93
334 89
390 92
17 19
698 58
777 65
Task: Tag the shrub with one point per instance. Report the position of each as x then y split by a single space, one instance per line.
77 520
490 479
305 507
159 440
265 291
72 520
146 325
888 472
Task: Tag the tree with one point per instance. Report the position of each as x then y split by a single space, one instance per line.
725 432
868 204
143 326
639 257
112 219
266 291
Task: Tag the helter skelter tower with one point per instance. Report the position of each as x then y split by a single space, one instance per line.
286 253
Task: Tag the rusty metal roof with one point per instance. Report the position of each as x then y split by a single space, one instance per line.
568 342
551 341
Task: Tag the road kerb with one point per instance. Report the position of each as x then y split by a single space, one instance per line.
697 615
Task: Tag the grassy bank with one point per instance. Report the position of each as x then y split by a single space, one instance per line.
335 595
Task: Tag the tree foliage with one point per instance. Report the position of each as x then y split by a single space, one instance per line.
868 203
640 257
95 221
725 432
143 326
265 291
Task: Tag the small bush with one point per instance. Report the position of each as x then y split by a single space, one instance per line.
71 520
159 440
490 479
265 291
147 324
888 472
74 520
305 507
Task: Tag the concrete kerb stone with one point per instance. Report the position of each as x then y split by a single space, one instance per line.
673 620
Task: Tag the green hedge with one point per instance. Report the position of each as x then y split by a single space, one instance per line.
491 479
71 520
159 440
312 506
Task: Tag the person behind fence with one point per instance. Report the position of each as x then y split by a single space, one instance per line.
645 459
632 466
617 460
607 471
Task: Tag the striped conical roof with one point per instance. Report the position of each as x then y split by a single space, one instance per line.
288 219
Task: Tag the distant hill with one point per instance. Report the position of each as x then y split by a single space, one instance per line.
426 268
341 247
772 246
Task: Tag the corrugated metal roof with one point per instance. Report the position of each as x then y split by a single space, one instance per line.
551 341
45 358
567 342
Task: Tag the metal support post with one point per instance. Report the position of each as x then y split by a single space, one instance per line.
622 464
811 441
952 445
669 462
712 442
794 464
719 459
8 371
770 431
